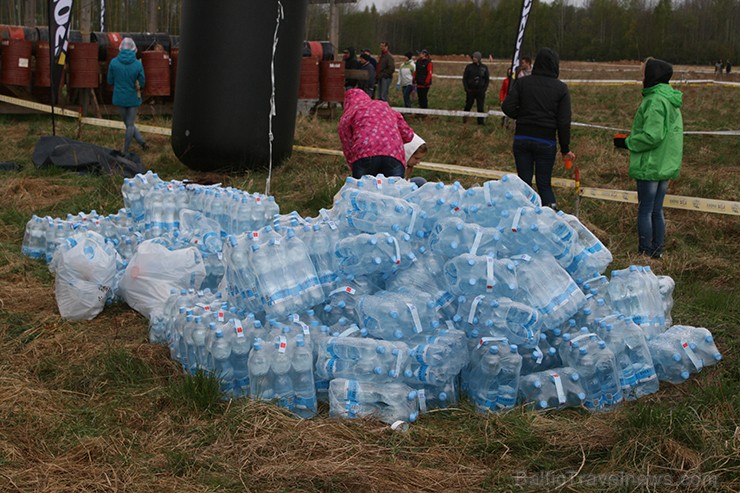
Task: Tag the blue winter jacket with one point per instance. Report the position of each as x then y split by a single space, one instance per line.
123 72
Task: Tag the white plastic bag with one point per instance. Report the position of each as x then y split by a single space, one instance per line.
85 266
154 270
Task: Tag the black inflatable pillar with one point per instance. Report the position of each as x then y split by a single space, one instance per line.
222 109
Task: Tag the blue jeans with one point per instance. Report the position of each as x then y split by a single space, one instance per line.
375 165
128 115
650 219
536 158
407 90
384 84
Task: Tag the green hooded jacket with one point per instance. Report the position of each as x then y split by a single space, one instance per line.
656 141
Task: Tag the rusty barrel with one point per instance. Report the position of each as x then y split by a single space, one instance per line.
84 71
309 85
331 75
42 77
156 72
174 55
16 62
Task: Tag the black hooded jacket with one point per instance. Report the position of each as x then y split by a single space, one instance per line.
540 103
657 72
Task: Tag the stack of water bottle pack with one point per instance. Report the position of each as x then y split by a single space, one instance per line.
393 302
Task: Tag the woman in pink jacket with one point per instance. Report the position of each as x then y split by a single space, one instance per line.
373 136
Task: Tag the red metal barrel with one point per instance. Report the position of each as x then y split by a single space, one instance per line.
84 72
157 73
317 51
309 86
111 53
174 54
41 77
16 58
332 81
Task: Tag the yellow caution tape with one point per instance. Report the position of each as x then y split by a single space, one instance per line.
45 108
672 201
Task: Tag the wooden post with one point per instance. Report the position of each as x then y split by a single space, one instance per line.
334 25
29 13
153 17
86 21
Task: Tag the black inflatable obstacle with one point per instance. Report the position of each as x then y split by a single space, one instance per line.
222 104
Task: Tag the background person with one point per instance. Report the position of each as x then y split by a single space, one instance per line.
372 136
540 104
656 151
367 85
124 73
475 81
423 77
350 63
386 67
406 78
415 152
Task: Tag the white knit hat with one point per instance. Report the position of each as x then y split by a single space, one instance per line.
412 146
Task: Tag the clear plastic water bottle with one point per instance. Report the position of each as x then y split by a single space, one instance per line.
472 275
627 341
260 377
220 351
493 376
681 351
388 402
303 381
597 366
489 316
453 236
557 388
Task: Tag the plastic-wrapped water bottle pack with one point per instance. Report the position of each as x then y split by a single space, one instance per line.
395 301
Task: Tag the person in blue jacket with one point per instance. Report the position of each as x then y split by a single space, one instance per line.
126 75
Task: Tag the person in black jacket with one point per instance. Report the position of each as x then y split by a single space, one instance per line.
475 81
540 104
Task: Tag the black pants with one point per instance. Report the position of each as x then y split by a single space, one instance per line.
422 92
538 159
480 99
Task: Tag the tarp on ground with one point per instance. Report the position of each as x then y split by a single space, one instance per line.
85 158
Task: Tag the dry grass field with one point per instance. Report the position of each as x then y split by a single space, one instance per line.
93 407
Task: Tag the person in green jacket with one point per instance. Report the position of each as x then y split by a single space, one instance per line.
124 73
656 150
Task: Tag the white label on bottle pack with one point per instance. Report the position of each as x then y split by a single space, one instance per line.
476 241
539 355
238 327
489 274
558 387
410 229
415 317
398 425
517 217
582 336
421 395
349 331
487 195
221 316
345 289
485 340
692 355
397 258
379 184
283 344
255 235
474 308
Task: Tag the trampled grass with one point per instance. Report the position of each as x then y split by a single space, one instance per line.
92 406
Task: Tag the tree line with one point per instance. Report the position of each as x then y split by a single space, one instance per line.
689 31
692 31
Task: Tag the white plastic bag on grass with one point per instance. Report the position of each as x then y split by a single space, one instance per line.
85 266
154 270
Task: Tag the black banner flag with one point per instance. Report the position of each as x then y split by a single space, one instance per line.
60 14
526 7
